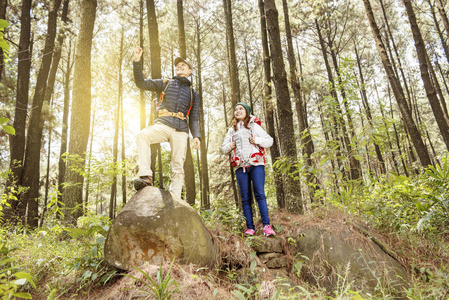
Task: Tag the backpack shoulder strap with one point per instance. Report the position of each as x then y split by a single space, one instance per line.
191 100
162 94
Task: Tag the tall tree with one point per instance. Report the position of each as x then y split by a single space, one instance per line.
3 6
286 134
367 108
30 175
113 198
181 31
189 169
156 73
142 108
17 141
397 90
270 104
80 112
235 88
306 137
65 121
443 15
203 147
440 33
424 69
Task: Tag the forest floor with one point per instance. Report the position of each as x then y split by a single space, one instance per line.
426 262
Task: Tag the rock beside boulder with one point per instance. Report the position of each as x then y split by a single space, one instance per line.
351 255
154 226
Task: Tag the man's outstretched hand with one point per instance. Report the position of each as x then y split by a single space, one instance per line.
196 143
137 52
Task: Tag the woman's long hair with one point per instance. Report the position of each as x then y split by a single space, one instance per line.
245 122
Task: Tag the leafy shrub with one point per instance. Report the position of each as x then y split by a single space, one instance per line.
419 203
161 289
11 277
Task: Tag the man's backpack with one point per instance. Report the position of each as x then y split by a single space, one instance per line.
162 97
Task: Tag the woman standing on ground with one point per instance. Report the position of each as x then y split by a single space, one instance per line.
245 139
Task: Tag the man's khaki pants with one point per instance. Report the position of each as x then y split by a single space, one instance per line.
159 133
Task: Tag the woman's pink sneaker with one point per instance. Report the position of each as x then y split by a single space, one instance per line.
267 231
249 232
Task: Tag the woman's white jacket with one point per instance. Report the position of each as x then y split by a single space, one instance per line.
244 149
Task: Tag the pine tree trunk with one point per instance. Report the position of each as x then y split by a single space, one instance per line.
437 86
65 119
113 196
269 106
31 170
17 141
181 31
306 138
399 94
3 6
205 201
89 161
335 121
443 16
437 27
47 177
424 69
248 77
286 135
80 113
231 169
189 169
142 107
235 89
369 116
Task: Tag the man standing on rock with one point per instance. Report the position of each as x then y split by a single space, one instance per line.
178 103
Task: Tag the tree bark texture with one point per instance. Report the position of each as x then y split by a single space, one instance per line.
397 90
17 141
31 171
181 31
80 112
443 15
269 104
286 134
205 201
367 108
142 107
235 88
425 75
306 138
189 169
65 125
3 6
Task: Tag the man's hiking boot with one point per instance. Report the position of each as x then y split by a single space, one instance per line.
267 231
144 181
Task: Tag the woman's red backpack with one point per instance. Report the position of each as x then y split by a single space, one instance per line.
260 156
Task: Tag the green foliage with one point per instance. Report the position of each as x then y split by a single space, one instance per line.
101 172
92 231
3 43
224 212
434 205
11 278
7 128
161 289
399 203
10 192
246 292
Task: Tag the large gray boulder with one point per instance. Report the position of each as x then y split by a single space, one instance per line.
351 255
155 225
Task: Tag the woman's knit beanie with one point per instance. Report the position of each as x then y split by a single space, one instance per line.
246 106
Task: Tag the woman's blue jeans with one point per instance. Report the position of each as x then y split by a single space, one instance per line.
256 175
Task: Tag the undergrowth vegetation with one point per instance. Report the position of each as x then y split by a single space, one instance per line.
57 261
